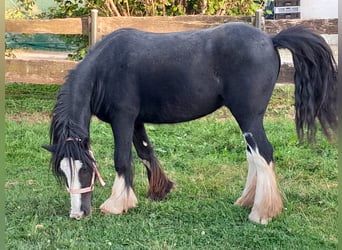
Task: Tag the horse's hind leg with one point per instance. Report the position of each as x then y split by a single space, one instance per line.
261 191
159 184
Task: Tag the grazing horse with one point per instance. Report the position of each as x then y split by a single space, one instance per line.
133 77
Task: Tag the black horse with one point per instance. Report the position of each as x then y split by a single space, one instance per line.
133 77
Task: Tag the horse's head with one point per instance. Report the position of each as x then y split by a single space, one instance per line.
74 162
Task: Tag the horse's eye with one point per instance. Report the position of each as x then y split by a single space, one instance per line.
84 171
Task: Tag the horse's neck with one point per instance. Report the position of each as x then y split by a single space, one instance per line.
78 111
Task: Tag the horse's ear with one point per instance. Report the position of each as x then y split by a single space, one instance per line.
50 148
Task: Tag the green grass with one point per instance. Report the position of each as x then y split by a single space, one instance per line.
206 160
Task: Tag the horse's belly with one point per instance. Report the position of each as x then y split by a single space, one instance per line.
177 112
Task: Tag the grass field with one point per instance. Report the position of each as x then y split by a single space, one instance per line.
205 158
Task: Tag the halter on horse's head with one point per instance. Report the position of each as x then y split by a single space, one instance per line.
79 174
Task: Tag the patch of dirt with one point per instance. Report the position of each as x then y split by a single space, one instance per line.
29 117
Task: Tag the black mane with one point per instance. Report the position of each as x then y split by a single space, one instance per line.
67 138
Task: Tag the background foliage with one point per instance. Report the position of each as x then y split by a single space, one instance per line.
79 8
23 9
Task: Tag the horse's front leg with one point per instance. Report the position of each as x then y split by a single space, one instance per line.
159 184
122 197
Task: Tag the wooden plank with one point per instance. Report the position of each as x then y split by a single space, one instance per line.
161 24
48 26
156 24
181 23
321 26
55 71
37 71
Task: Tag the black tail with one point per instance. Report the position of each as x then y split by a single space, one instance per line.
315 81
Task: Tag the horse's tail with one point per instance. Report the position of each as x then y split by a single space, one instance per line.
315 81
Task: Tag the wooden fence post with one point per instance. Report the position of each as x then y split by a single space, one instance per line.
93 27
259 19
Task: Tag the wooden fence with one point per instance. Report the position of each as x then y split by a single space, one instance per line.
54 71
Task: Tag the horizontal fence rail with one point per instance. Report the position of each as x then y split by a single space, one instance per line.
37 71
54 71
156 24
65 26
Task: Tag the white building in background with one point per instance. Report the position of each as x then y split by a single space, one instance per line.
321 9
318 9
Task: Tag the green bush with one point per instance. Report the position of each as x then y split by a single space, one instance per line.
77 8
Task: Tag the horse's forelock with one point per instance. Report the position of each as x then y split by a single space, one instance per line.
70 140
72 150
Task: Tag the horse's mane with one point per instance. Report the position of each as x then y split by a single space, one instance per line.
67 138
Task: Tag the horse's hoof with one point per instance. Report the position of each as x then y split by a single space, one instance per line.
107 210
243 202
162 193
77 216
256 218
120 204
